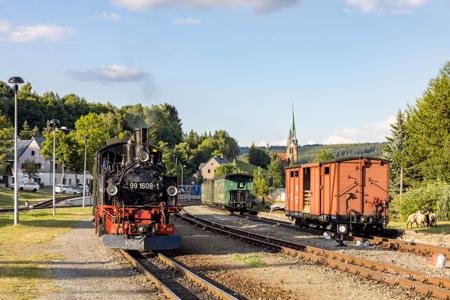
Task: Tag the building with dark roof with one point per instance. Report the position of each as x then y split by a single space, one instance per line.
30 150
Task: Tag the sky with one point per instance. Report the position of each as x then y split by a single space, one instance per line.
346 66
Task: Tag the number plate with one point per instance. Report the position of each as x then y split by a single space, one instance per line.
143 186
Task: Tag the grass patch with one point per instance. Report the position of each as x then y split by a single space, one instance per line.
7 197
24 259
252 261
443 227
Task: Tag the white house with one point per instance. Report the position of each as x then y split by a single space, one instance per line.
207 169
31 150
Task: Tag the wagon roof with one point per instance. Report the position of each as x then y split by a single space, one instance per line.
337 160
228 176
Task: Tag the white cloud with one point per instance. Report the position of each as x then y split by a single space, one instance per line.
386 6
264 143
21 34
370 132
4 26
257 5
110 73
187 21
108 16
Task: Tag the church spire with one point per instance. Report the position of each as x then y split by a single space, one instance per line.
292 143
292 133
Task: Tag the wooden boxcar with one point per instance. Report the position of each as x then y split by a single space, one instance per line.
349 194
232 192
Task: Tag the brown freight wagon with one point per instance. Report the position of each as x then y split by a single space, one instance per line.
348 195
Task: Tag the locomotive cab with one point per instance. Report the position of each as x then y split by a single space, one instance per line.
133 197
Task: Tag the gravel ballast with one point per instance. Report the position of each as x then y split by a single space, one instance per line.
89 270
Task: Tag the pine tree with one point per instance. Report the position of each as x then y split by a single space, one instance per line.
395 150
427 151
6 140
26 132
35 131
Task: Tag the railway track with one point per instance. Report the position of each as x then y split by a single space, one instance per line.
381 272
174 280
383 242
41 205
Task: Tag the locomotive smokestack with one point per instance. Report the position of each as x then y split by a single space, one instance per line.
141 137
130 152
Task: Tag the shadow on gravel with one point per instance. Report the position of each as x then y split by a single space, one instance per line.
20 262
64 273
58 223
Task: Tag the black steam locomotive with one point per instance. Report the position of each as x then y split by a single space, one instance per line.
133 198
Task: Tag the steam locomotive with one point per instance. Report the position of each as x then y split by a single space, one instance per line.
133 197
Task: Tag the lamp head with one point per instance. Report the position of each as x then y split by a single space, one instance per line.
54 123
16 80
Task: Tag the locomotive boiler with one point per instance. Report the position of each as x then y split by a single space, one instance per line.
133 197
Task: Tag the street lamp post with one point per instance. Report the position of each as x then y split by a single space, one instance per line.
16 81
54 124
182 173
84 172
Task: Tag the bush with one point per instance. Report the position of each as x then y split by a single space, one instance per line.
435 195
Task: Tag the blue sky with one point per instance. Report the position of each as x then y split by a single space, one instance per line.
347 65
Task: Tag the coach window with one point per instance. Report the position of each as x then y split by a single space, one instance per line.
292 173
327 170
296 173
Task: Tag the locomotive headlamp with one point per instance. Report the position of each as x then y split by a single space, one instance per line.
142 229
172 191
143 156
112 190
342 228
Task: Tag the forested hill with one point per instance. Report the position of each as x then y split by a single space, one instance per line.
307 153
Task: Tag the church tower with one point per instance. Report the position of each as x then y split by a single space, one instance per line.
292 143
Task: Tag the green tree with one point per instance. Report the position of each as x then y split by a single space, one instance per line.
258 157
35 131
168 158
226 169
228 146
26 132
260 186
62 149
6 140
427 151
323 155
395 149
98 128
30 168
276 171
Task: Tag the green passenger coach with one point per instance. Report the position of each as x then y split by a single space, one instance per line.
232 192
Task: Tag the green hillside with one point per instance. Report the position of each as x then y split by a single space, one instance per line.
308 152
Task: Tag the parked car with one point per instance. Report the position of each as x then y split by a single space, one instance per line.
66 189
27 186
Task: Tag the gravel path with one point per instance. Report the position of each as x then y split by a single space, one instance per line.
91 271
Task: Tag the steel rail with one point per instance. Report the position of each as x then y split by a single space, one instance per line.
385 243
158 283
211 288
429 286
40 205
218 292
